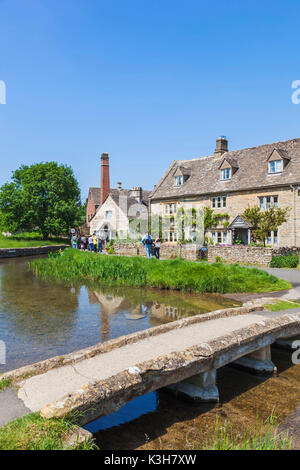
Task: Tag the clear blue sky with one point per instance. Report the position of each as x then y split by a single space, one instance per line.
146 81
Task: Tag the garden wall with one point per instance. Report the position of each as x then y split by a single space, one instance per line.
190 252
29 251
241 254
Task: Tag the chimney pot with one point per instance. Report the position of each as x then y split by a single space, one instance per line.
119 185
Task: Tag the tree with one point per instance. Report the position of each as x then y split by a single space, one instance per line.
43 197
263 222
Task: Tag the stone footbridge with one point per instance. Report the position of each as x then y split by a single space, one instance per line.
183 356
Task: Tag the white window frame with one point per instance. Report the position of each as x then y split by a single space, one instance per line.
276 166
179 180
217 202
226 174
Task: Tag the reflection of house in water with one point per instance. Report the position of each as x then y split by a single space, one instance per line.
166 312
109 305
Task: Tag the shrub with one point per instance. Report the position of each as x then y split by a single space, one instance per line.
285 261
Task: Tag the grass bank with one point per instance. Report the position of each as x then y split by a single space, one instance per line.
32 432
29 240
264 436
75 266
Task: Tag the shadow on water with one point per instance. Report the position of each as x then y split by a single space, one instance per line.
176 424
40 319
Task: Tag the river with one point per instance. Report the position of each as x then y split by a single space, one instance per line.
39 319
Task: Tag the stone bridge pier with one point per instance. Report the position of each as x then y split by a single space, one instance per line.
203 387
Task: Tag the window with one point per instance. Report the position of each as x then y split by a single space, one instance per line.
269 238
170 209
276 166
178 180
226 174
262 203
219 237
219 201
108 214
276 237
267 202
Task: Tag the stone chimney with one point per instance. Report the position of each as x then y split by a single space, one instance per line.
105 183
221 146
137 193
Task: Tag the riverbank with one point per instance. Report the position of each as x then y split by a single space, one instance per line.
29 240
29 251
74 266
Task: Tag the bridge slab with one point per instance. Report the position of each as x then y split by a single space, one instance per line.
199 388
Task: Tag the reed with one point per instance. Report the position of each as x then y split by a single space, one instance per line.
73 266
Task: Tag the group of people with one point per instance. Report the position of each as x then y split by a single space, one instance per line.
149 242
92 243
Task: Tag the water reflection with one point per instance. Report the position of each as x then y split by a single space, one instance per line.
40 319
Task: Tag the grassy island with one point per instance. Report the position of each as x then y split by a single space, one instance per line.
74 266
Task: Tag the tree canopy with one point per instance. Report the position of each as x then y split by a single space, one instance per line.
266 221
43 197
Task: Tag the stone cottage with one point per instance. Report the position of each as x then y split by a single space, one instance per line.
116 212
230 181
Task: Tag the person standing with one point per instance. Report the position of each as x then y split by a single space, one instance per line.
99 244
74 240
157 245
148 242
95 242
91 242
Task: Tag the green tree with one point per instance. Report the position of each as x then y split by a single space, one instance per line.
43 197
263 222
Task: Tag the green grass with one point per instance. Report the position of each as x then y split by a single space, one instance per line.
32 432
75 266
25 240
282 305
263 437
285 261
5 383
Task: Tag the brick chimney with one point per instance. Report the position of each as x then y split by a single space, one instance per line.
221 146
105 183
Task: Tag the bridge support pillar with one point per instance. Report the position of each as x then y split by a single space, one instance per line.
259 362
289 344
199 388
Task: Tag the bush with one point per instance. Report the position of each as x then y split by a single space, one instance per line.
285 261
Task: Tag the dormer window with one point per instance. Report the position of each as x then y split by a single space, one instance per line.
178 180
276 166
226 174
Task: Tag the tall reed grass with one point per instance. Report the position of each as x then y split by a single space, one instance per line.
74 266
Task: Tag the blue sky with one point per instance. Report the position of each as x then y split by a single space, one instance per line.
146 81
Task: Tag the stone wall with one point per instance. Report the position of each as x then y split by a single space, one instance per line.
190 252
241 254
30 251
293 250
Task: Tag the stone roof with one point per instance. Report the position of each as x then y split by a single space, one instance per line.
251 172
